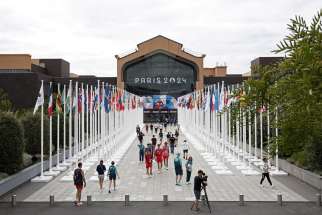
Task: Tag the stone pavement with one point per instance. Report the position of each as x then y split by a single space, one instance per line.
141 188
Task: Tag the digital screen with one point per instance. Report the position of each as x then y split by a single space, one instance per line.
160 74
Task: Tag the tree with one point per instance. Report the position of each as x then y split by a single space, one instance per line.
32 127
11 144
5 103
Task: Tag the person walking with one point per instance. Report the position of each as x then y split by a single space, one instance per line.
185 148
148 162
151 128
172 142
112 173
101 169
265 173
159 156
161 135
141 152
79 182
147 128
188 169
178 169
165 155
154 144
140 136
137 129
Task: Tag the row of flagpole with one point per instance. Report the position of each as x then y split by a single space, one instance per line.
207 115
98 113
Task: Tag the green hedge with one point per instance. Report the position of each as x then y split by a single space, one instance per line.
32 130
11 143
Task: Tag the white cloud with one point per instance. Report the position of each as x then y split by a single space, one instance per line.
88 33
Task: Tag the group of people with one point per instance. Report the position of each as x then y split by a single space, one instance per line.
80 181
159 152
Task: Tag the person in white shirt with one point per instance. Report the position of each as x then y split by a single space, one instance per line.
265 172
185 148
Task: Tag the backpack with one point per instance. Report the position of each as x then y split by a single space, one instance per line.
78 177
112 171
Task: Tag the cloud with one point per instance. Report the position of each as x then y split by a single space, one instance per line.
88 33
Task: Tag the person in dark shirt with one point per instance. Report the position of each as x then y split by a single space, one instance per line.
100 169
79 182
140 136
198 183
151 128
172 142
154 143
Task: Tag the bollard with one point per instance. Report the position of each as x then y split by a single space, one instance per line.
165 200
203 199
51 199
241 200
89 200
318 199
13 200
127 200
279 199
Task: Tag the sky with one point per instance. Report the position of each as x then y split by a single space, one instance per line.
89 33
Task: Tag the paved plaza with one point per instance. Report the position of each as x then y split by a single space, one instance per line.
133 181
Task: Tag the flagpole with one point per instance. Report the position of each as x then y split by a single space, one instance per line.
50 135
76 123
42 135
255 133
57 133
70 119
261 130
83 123
87 125
64 116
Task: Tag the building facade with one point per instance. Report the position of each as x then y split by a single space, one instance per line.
160 66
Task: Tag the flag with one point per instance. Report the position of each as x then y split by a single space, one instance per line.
40 98
221 98
58 102
50 109
79 100
206 101
68 100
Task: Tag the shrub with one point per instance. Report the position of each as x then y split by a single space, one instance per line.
11 143
32 129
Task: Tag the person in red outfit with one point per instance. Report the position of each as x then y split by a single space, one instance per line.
159 157
165 154
148 162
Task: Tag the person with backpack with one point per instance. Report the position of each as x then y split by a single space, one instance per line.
265 173
141 152
188 169
112 173
178 169
79 182
165 154
101 169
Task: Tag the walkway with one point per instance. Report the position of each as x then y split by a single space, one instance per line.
141 188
